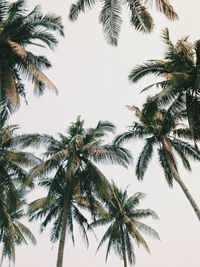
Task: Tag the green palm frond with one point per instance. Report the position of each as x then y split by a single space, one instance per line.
186 148
144 213
140 18
26 232
104 127
147 230
38 208
55 231
110 18
48 166
166 8
164 159
98 179
184 133
138 133
80 6
182 156
136 234
112 154
156 67
134 200
83 222
34 140
49 21
144 158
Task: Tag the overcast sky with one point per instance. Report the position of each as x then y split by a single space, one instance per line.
92 80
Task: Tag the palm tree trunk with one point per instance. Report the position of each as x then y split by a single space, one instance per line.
167 145
123 247
63 230
186 192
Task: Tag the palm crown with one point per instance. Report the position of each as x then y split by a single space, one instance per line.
179 73
161 130
19 30
125 225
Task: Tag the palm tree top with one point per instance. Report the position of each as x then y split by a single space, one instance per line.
179 79
179 57
125 223
19 30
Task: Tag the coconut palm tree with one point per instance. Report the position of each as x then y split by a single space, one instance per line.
180 78
14 165
125 225
72 157
52 208
19 30
162 131
110 15
12 231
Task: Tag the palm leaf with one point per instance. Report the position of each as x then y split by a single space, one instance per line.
145 158
110 18
80 6
140 18
166 8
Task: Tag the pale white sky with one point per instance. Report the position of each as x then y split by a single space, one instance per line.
92 80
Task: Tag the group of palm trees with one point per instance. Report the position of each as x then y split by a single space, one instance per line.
74 183
68 169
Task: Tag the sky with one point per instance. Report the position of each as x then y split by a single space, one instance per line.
92 79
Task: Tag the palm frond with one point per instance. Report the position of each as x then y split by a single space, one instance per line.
147 230
136 234
164 162
144 213
145 158
26 232
80 6
156 67
186 148
113 154
166 8
110 18
140 18
137 133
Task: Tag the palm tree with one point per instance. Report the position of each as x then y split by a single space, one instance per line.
12 231
125 225
179 72
161 129
14 165
72 157
18 31
110 15
52 208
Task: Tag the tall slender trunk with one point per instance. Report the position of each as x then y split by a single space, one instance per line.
123 247
186 192
63 230
167 145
